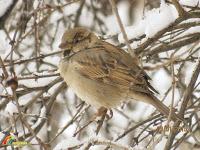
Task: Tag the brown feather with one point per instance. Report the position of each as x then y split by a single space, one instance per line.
99 63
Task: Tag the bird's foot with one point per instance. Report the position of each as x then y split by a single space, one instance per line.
102 111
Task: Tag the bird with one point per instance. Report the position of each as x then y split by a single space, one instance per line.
104 75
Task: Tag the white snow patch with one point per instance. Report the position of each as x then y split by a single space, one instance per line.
191 3
4 5
42 116
69 142
11 108
154 21
158 19
4 46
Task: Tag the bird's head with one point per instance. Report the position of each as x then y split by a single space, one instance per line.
76 39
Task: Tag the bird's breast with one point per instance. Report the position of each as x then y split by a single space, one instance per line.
92 92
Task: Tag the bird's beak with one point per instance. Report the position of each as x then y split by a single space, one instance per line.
62 45
66 48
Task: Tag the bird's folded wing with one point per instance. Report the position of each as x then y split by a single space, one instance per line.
111 68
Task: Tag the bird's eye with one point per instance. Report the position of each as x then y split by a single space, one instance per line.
77 38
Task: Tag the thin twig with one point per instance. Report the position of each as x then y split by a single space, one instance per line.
115 11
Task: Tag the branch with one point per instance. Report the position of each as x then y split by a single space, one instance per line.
6 14
115 11
186 98
163 48
180 10
160 33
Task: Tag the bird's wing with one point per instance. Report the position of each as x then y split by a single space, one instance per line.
113 66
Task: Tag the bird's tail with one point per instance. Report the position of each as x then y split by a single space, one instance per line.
151 99
163 108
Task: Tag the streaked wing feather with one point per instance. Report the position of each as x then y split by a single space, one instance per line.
101 65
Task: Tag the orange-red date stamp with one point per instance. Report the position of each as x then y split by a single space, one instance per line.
167 128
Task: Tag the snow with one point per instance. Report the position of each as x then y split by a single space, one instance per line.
123 11
69 142
2 136
72 9
42 116
4 5
85 14
161 144
110 22
134 31
1 91
191 3
154 21
11 108
9 90
4 43
157 19
160 84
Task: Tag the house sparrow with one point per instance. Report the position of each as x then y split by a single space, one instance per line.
102 74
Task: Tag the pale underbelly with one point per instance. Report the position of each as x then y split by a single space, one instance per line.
92 92
95 94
